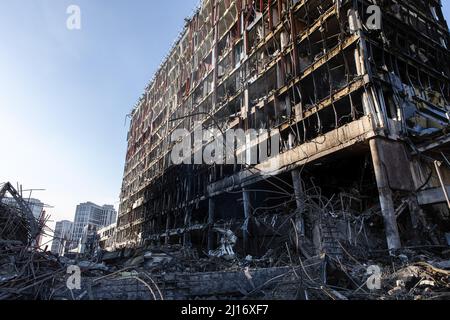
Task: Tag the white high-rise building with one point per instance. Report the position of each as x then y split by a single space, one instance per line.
62 237
91 214
110 215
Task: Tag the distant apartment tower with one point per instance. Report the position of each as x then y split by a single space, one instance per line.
91 214
62 236
110 215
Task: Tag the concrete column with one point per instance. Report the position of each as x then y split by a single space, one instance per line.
247 214
298 189
215 66
211 219
187 223
300 201
300 217
438 165
168 222
293 38
385 192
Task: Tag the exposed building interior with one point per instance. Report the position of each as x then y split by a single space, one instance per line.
362 115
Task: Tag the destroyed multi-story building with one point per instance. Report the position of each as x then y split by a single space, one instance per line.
107 237
358 94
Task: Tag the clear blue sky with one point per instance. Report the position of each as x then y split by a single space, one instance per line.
64 94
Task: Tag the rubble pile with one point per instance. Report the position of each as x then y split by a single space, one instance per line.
174 272
355 272
420 273
407 275
170 272
27 273
352 262
12 224
16 221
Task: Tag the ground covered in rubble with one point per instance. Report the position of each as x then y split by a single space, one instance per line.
354 266
176 273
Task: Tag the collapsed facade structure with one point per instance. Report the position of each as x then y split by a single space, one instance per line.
362 115
17 220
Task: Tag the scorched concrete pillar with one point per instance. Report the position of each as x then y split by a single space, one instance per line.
385 193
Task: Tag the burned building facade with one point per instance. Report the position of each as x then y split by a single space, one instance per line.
358 93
